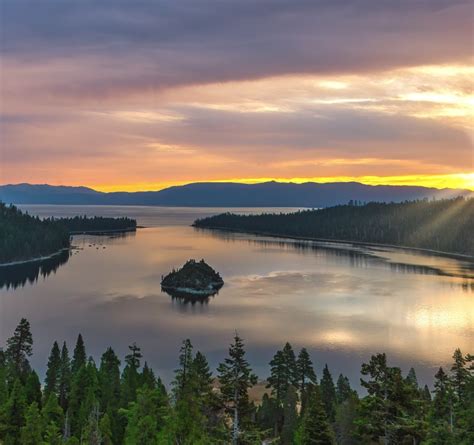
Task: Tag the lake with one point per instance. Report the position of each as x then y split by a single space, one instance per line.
342 302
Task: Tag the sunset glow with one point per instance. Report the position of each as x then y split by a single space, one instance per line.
152 113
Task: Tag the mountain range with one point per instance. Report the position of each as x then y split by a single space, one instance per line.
212 194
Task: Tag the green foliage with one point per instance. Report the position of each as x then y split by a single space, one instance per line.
31 433
328 394
444 225
305 374
343 390
315 428
131 376
33 389
24 237
13 415
19 348
290 416
235 378
79 357
91 407
64 378
52 412
53 371
146 417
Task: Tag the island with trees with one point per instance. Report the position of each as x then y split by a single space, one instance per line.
115 403
444 225
24 237
195 278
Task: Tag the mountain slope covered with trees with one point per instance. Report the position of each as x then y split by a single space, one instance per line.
24 237
82 403
444 225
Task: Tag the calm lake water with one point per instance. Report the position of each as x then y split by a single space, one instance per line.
342 302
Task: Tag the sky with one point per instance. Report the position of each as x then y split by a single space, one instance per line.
141 95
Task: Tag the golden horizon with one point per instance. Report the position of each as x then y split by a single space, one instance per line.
463 181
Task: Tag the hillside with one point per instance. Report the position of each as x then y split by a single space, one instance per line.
444 225
24 237
268 194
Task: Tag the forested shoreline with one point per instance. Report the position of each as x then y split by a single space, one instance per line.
24 237
443 225
82 403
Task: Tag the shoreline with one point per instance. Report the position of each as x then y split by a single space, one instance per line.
36 259
58 252
105 232
453 255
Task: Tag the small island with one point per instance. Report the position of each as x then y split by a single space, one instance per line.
195 278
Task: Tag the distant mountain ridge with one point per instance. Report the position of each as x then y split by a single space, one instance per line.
227 194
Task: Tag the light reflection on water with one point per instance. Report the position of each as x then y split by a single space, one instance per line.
342 302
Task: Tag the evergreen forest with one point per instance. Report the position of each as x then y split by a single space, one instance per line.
24 237
125 402
443 225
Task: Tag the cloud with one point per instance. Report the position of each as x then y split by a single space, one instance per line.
160 91
120 46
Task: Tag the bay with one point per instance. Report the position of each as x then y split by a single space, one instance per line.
343 302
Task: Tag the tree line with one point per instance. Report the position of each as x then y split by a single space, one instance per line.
443 225
82 403
24 237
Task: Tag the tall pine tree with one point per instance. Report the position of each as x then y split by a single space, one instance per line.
236 377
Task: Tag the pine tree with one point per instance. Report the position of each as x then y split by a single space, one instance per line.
314 428
343 389
65 378
290 365
277 379
375 408
459 374
442 401
411 378
92 432
79 357
146 417
14 415
290 417
31 432
202 376
426 394
33 389
305 371
346 417
52 412
393 408
148 377
266 414
19 348
207 401
183 373
105 427
53 434
83 397
53 372
130 375
110 392
236 377
283 374
328 394
191 394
